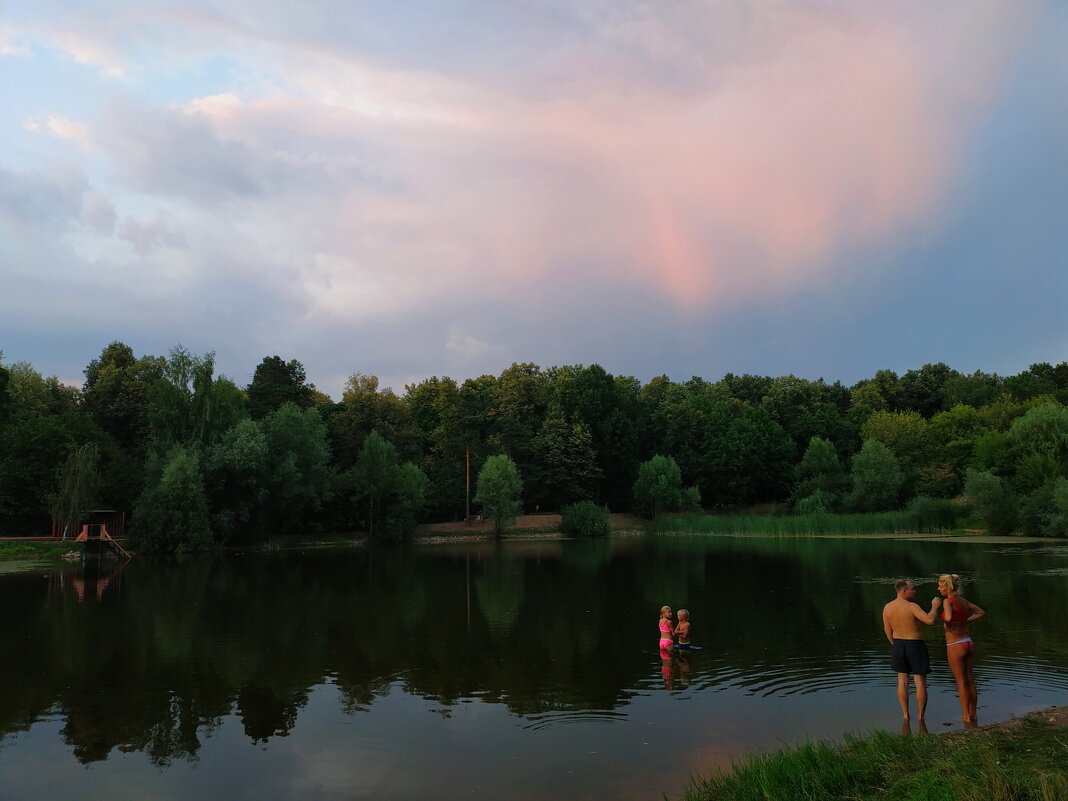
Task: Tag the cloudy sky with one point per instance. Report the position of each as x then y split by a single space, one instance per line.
426 187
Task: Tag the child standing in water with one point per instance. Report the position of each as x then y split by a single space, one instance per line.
682 631
666 643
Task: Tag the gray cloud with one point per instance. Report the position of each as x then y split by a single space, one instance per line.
44 198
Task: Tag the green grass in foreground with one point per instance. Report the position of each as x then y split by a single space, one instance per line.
15 551
875 523
1028 762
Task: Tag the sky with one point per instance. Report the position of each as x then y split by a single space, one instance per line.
415 188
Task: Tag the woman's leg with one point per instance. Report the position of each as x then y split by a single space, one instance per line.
973 691
957 655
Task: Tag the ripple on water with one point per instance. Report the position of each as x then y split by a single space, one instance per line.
563 717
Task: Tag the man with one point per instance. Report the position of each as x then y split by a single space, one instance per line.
908 651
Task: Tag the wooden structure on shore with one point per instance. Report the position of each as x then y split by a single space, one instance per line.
113 520
98 532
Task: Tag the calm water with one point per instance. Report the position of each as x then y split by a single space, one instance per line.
485 671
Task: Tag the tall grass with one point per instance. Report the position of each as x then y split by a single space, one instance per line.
824 523
1025 763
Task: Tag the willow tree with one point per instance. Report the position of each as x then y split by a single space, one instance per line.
77 484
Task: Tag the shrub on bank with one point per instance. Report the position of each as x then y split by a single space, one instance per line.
584 519
934 514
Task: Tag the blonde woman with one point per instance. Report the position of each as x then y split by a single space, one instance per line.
957 613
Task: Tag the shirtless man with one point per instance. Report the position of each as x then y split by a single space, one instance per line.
908 651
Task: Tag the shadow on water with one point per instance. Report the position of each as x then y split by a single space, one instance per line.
157 655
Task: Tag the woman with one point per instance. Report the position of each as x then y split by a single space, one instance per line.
957 613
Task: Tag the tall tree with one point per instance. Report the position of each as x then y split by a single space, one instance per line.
876 477
276 382
172 513
115 393
567 462
499 489
78 482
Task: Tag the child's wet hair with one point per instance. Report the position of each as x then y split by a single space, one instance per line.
684 613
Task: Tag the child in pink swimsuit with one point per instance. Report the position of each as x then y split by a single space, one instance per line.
666 643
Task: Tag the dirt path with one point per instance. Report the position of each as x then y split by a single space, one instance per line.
1057 715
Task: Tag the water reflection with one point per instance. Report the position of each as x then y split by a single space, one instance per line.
159 657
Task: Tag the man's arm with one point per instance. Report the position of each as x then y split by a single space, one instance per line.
888 627
928 618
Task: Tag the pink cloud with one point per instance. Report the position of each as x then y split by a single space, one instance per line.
700 152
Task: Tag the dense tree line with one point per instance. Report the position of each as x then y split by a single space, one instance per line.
200 459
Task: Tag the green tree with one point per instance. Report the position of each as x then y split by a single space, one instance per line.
115 394
567 462
658 488
1043 430
820 471
992 501
406 501
31 394
297 467
172 513
923 390
237 481
498 491
276 382
374 475
975 390
5 397
78 483
876 477
391 495
881 393
365 408
188 405
434 406
904 433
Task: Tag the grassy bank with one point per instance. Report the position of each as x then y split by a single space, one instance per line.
875 523
1020 763
19 551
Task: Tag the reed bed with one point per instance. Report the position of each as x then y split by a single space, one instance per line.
785 525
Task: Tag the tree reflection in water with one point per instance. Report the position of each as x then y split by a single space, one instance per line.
154 658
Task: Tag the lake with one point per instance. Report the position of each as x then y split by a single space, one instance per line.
524 670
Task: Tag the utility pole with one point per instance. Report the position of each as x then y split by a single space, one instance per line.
467 508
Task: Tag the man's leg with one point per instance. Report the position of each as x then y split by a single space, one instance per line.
921 695
903 693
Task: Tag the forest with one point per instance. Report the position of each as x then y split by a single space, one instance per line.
200 461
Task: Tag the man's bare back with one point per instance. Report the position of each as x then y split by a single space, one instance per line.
908 651
901 620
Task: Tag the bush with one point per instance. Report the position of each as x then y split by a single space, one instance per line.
584 519
819 502
934 513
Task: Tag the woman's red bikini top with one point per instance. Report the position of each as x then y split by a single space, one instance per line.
959 613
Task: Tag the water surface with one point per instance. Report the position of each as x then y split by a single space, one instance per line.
520 670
